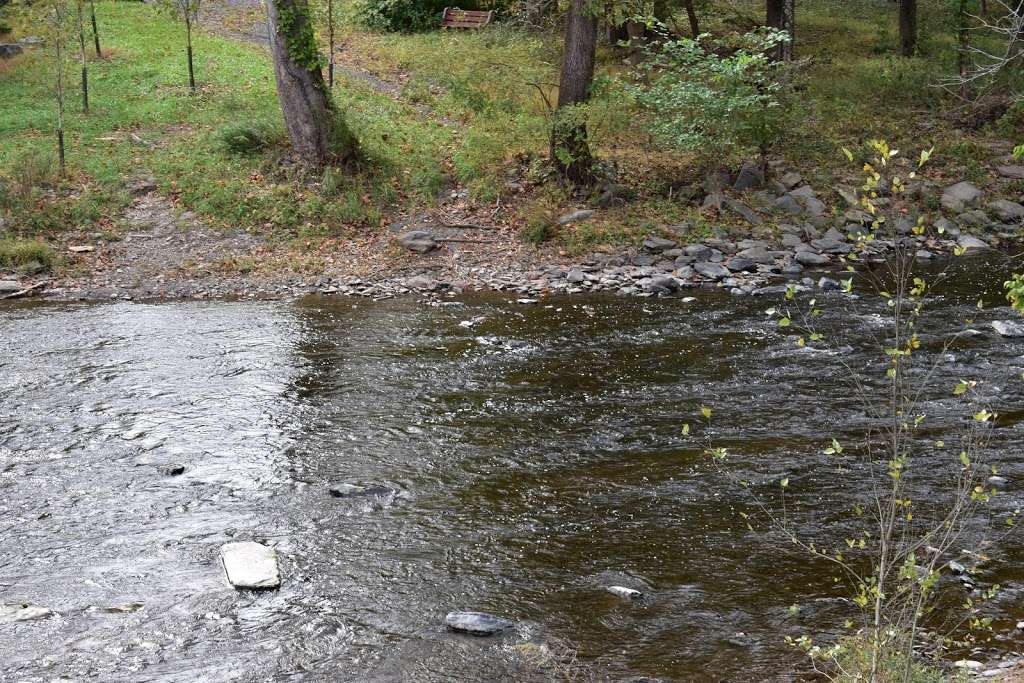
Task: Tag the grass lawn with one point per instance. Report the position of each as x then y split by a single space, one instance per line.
495 83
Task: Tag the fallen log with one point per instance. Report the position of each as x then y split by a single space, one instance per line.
26 291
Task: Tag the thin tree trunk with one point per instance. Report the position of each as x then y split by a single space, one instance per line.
330 41
963 40
60 103
95 29
691 14
81 56
781 14
908 27
317 132
570 150
188 50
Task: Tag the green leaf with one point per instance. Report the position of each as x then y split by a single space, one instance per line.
705 411
686 429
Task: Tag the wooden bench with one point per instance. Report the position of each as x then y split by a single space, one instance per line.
454 17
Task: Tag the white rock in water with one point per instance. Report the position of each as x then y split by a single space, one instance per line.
967 664
250 565
1008 328
476 623
12 613
625 593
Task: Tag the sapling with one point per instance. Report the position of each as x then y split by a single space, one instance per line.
79 5
893 565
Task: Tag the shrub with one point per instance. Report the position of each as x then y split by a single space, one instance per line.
712 94
29 170
29 256
404 16
247 138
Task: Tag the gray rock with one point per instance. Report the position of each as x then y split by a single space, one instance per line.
788 204
956 567
944 226
173 470
757 255
698 252
419 241
713 200
624 593
716 181
827 284
8 50
476 623
858 217
834 235
657 244
575 276
814 206
809 258
738 264
974 219
924 255
575 216
750 178
997 482
748 214
962 196
970 242
660 284
1012 172
791 180
1007 211
422 282
250 565
803 193
22 612
792 241
10 286
849 196
714 271
1008 328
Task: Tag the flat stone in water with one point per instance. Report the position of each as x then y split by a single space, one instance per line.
624 593
1008 328
250 565
355 490
476 623
11 613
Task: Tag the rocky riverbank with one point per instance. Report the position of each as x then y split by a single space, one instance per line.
792 236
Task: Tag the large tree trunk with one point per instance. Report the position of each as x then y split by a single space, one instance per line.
781 14
318 134
570 151
908 27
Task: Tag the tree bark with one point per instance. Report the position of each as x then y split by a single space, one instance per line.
318 134
691 14
570 150
188 52
781 14
908 27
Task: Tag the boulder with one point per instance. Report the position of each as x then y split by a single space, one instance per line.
10 286
1009 328
960 197
8 50
575 276
698 252
750 177
1007 211
789 204
748 214
22 612
757 255
970 242
476 623
944 226
791 180
1012 172
660 284
624 593
713 271
250 565
419 241
657 244
738 264
422 282
809 258
974 219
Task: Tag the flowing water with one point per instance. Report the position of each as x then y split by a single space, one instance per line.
537 456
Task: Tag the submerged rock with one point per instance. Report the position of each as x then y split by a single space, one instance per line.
624 593
250 565
476 623
12 613
357 491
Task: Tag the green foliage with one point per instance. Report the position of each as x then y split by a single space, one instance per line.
28 256
712 93
1015 291
402 16
247 138
853 660
296 27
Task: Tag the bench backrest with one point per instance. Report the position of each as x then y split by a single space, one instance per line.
460 18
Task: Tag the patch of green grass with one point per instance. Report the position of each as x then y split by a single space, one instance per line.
26 256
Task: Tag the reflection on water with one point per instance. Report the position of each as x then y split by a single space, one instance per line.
537 456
